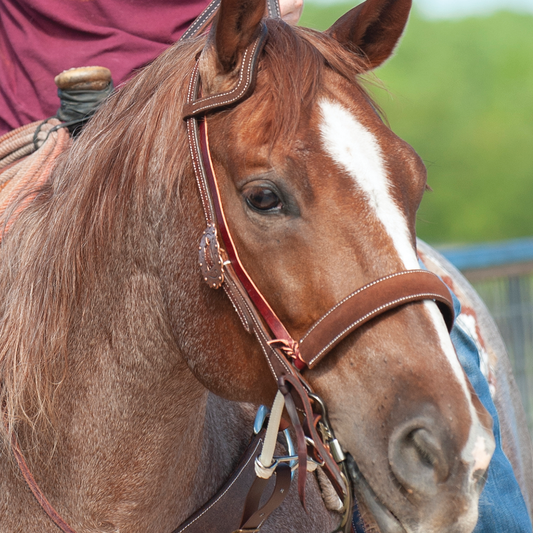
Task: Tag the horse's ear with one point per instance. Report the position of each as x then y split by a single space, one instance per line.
234 29
372 29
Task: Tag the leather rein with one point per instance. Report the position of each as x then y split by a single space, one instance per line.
221 267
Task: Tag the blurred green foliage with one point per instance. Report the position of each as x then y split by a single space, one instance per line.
461 93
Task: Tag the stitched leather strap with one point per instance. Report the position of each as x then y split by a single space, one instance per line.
201 106
273 9
223 512
368 302
208 14
202 21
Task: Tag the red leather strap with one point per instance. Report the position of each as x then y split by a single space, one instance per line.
274 323
32 484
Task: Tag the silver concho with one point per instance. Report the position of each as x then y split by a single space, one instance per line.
211 262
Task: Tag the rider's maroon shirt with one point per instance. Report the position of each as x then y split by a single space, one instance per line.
41 38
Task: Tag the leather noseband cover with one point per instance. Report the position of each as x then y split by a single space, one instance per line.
369 302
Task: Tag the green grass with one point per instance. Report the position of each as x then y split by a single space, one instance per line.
461 93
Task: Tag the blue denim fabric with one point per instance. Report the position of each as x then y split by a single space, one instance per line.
501 507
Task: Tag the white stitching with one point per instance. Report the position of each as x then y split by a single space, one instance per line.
358 291
427 296
229 487
241 75
233 99
237 307
201 19
197 172
258 330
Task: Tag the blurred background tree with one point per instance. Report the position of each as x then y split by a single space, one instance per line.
460 91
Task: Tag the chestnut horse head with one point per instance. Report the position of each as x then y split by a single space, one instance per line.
320 197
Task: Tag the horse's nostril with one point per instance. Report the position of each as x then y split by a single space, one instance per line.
430 451
417 459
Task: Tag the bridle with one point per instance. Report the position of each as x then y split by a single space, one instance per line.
221 267
287 357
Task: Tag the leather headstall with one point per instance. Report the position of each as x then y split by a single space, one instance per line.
221 267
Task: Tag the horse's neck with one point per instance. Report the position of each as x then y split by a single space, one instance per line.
140 442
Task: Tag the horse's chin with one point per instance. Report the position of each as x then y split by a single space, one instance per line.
385 519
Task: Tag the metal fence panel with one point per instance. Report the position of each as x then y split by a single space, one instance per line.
509 299
502 274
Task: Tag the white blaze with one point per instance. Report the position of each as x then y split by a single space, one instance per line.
355 149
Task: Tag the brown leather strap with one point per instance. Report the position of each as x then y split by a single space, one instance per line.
202 21
208 14
291 385
247 74
370 301
223 512
248 301
254 516
274 11
286 390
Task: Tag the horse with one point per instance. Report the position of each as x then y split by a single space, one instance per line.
130 385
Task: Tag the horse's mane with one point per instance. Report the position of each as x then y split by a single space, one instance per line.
132 154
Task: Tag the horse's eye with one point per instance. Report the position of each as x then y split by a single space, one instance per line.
262 199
